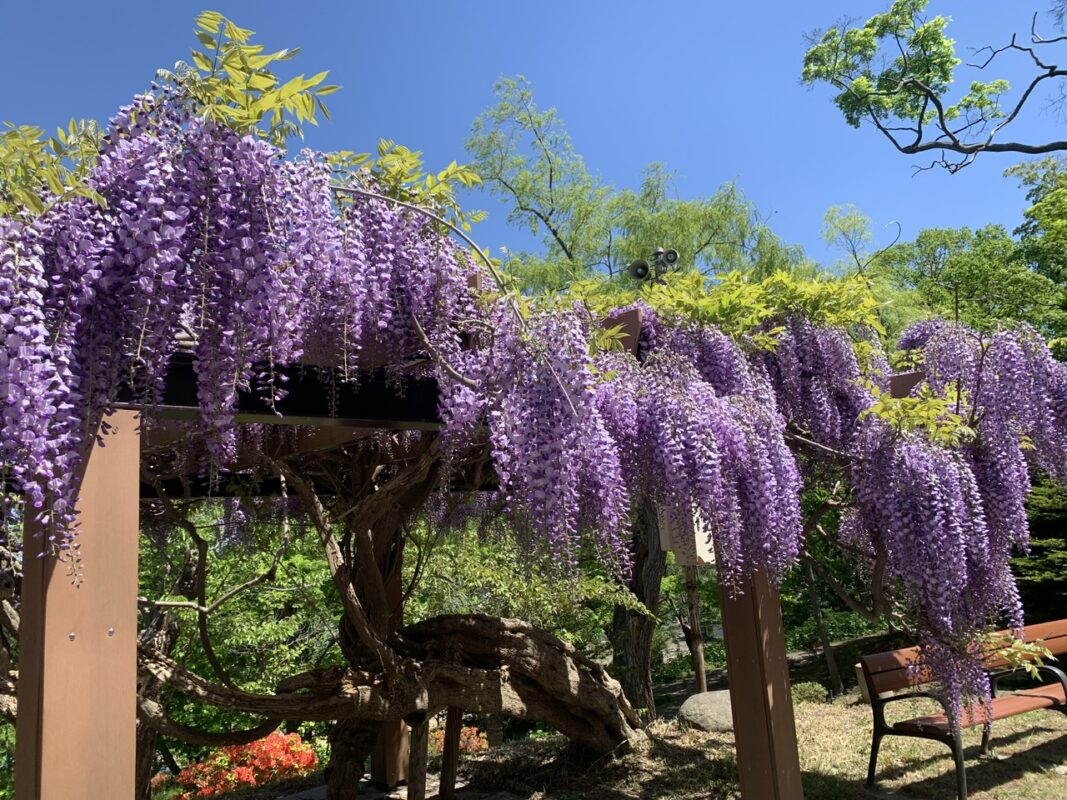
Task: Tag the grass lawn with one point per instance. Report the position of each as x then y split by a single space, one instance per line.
834 748
834 740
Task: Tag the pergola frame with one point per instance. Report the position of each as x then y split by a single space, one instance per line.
76 723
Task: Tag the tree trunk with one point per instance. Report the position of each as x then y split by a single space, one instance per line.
506 666
631 631
351 743
837 687
162 632
486 665
696 630
376 557
494 729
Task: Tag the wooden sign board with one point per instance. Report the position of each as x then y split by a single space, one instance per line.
691 548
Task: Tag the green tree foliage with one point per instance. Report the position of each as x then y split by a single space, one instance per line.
7 761
526 158
466 573
849 230
231 81
283 625
738 303
896 72
1043 234
36 172
982 276
399 172
1042 574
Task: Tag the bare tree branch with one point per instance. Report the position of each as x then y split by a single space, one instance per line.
151 713
340 570
846 597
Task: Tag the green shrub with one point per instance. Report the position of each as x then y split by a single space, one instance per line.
840 626
7 761
809 692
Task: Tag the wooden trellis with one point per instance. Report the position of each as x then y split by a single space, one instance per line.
77 689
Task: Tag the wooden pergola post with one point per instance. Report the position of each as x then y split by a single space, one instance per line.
77 689
450 758
389 761
758 672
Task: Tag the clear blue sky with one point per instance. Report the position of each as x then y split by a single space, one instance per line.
711 88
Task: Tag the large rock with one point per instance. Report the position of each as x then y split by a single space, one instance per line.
709 711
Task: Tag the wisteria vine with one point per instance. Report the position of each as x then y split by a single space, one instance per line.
218 245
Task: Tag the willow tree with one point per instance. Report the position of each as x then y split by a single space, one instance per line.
524 156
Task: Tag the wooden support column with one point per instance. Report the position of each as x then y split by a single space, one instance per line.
450 758
696 631
420 742
77 690
389 761
764 728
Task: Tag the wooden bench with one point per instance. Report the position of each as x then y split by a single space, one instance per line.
891 677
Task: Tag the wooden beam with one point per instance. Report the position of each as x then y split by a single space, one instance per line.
314 396
758 672
77 721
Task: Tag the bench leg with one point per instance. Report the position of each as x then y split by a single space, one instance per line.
961 774
986 736
876 741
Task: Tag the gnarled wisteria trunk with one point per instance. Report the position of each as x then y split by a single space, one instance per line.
360 500
632 630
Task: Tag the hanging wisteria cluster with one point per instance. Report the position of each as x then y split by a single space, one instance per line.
818 381
576 438
217 245
213 239
947 516
702 438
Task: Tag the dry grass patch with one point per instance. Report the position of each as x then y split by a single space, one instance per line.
834 743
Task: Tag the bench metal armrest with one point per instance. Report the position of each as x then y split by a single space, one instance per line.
1056 673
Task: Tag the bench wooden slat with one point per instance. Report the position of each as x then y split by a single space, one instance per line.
1003 707
893 670
901 678
1048 631
890 671
889 661
1053 691
1052 635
